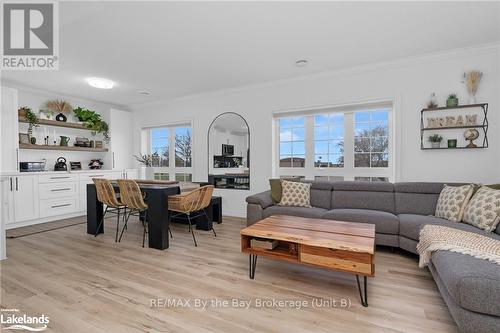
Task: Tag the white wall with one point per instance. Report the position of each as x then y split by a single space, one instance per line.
407 82
35 98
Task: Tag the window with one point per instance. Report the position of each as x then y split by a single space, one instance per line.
329 140
352 143
292 142
171 143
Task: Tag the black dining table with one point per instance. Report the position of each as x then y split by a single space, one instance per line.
158 213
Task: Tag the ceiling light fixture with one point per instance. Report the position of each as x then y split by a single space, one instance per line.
301 63
144 93
100 83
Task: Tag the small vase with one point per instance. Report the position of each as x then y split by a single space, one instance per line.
435 144
452 143
61 117
452 102
33 140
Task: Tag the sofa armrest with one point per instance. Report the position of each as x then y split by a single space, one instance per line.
262 199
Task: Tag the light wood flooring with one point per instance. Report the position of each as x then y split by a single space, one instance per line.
87 284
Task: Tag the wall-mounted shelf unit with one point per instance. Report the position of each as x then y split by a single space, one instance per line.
62 148
56 123
482 126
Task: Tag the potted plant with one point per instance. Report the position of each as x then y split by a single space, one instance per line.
452 100
21 112
92 120
435 140
32 122
147 162
60 107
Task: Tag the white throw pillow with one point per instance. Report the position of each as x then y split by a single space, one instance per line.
483 210
295 194
452 202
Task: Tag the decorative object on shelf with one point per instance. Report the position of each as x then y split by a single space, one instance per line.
452 100
471 134
64 141
98 144
61 117
75 165
32 121
24 138
433 103
60 107
82 142
146 159
452 143
471 119
435 140
21 112
46 114
92 143
61 164
92 120
33 140
472 79
95 164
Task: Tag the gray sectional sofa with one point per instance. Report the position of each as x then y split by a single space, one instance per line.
469 286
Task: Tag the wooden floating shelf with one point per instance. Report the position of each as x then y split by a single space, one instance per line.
56 123
465 106
430 148
452 127
61 148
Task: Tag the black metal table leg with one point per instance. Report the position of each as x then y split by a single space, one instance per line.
364 299
253 264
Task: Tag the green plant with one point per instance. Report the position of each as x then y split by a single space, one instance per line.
32 120
435 138
452 96
92 120
146 160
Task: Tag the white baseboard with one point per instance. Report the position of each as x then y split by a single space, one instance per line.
44 220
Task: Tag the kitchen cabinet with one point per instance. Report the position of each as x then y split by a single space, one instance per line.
7 200
120 130
20 198
9 130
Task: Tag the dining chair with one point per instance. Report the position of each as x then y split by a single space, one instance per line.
132 196
106 195
191 205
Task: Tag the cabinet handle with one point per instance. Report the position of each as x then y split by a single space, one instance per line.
113 160
58 206
17 185
17 159
10 184
64 177
60 189
92 176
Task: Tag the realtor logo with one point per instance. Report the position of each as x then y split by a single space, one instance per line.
30 36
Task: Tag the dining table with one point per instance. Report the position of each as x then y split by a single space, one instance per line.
156 194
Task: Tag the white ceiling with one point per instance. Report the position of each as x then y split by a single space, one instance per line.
174 49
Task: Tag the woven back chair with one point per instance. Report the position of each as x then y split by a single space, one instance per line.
131 195
192 202
106 194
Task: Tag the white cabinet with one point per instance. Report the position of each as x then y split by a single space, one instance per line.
20 198
120 130
9 130
131 174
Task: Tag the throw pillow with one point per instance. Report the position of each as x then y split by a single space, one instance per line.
483 210
452 202
276 188
295 194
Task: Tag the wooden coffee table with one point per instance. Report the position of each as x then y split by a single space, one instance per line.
341 246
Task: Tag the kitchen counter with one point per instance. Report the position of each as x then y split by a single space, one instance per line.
48 172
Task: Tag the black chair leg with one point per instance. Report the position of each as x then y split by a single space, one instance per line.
144 224
192 231
170 231
208 219
102 221
117 225
125 226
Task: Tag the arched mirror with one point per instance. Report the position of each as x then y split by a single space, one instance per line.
229 152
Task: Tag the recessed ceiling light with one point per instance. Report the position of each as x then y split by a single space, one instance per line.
144 93
100 83
301 63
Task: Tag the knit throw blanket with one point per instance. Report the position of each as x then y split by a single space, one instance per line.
437 238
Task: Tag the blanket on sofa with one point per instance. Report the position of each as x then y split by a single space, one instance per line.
436 238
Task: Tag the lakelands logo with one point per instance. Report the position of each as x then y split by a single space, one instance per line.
12 319
30 36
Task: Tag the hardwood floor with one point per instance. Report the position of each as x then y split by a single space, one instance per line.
87 284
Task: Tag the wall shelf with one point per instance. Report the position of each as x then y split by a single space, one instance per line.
61 148
56 123
482 126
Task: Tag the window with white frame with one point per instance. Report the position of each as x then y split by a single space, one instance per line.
171 151
336 144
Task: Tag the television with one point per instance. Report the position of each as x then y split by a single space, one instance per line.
227 150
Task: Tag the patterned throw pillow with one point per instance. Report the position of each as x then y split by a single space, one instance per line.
295 194
452 202
483 210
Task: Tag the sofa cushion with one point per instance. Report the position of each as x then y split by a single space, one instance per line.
452 202
410 225
385 223
473 283
363 195
483 210
262 199
295 194
314 213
